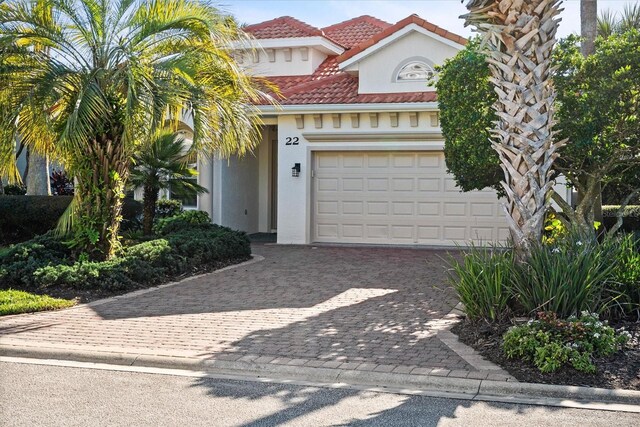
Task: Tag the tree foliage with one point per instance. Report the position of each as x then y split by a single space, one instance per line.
164 163
466 98
597 105
110 74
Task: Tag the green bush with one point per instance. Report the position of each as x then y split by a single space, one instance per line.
45 261
23 217
624 285
551 343
482 281
166 208
15 190
19 263
567 277
181 221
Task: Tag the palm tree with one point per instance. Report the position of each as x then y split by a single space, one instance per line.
520 36
164 164
610 23
113 73
588 26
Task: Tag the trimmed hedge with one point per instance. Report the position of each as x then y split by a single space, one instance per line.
181 221
23 217
45 261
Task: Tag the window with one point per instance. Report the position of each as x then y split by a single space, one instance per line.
414 70
190 201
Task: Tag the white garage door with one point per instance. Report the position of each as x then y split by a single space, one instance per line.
399 198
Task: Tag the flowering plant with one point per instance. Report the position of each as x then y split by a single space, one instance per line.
550 342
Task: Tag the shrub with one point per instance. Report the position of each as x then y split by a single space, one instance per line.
551 343
180 222
23 217
624 285
483 282
45 261
15 190
166 208
61 184
568 277
19 263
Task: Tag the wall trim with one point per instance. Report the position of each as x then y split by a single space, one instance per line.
372 136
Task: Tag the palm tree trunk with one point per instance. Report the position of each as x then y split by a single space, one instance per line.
99 193
38 182
520 36
588 26
149 210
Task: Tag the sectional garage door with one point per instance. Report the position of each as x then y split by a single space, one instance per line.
398 198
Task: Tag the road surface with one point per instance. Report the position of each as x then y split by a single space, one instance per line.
38 395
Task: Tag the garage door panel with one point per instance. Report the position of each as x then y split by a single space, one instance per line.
398 197
429 184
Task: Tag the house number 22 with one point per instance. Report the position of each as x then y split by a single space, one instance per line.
292 140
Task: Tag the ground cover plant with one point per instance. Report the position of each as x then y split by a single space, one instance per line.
182 245
550 342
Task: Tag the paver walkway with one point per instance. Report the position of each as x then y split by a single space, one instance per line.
335 307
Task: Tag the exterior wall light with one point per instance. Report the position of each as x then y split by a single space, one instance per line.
295 170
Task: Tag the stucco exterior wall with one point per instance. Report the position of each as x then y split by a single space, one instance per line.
377 71
297 65
238 199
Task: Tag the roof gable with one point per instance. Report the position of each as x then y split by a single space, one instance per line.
373 43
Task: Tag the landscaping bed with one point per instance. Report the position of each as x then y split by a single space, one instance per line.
182 246
619 371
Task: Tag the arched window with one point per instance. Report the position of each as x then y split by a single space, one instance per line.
414 70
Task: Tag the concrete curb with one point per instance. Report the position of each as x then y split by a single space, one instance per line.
457 388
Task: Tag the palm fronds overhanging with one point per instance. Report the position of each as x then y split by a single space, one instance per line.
95 78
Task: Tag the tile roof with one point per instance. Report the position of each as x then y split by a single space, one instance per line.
342 88
283 27
328 84
354 31
412 19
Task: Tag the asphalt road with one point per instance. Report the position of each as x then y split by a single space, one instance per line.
36 395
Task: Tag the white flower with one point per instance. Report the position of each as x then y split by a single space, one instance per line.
579 243
598 324
555 250
596 335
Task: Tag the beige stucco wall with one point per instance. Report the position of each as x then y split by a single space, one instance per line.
377 71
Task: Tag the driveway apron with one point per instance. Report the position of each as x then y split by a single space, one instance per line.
352 307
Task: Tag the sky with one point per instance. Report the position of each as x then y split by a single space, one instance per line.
444 13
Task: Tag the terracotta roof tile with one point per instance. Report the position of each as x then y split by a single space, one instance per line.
283 27
342 88
354 31
328 84
412 19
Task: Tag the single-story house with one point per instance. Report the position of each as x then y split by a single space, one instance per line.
354 152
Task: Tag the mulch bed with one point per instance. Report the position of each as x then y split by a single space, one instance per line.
620 371
92 294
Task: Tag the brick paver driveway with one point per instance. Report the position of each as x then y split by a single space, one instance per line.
324 306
